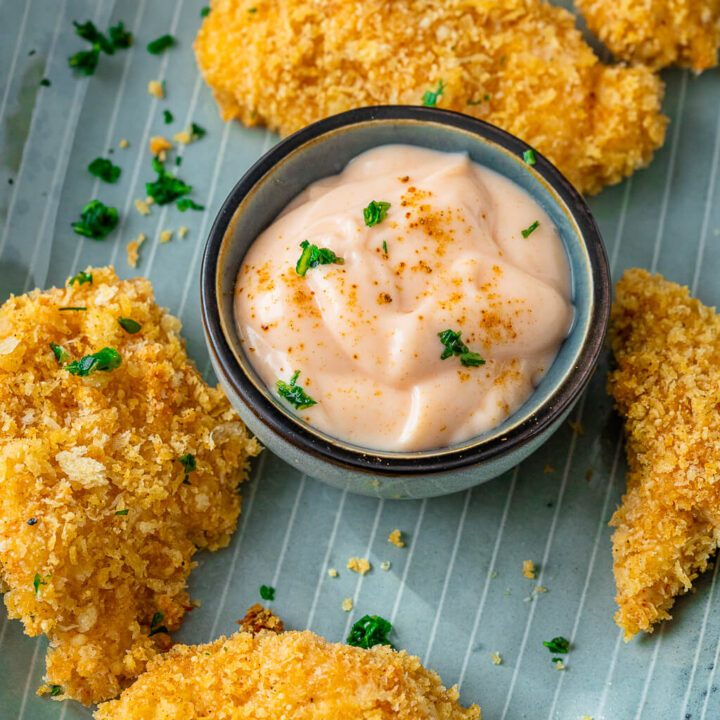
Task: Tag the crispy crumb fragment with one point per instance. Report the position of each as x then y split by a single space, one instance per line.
559 665
124 143
332 572
183 137
166 236
133 250
142 206
75 449
159 144
577 428
396 537
359 565
183 231
529 569
496 659
540 589
347 604
258 619
385 565
155 88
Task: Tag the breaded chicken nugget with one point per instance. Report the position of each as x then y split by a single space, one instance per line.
296 675
667 387
111 476
657 32
520 64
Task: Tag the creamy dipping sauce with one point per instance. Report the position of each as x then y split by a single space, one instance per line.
449 254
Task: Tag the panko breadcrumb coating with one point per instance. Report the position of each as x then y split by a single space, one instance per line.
97 526
520 64
657 32
667 387
296 675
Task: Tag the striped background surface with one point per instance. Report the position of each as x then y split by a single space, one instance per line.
456 593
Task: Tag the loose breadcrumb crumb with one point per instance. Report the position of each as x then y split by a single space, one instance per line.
133 250
332 572
183 137
549 469
496 659
559 665
159 144
290 675
150 200
166 236
667 388
385 565
155 87
124 143
182 232
258 619
577 428
359 565
142 206
75 449
347 604
657 33
396 537
529 569
540 589
519 64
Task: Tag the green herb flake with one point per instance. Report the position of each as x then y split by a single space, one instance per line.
474 102
455 346
72 307
196 132
529 231
189 465
168 117
38 581
60 353
129 325
166 188
312 256
85 61
252 10
55 690
81 278
120 37
88 31
155 624
105 360
375 212
385 250
45 82
557 646
430 97
104 169
205 11
369 631
187 204
97 220
267 592
529 157
161 44
123 512
294 394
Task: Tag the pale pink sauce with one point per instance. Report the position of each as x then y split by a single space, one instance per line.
364 334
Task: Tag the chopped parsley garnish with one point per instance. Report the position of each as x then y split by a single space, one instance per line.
187 204
72 307
529 231
205 11
60 354
385 250
167 187
106 360
81 278
155 626
430 97
88 31
85 61
294 394
196 132
122 512
45 82
267 592
161 44
529 157
369 631
38 581
252 10
557 646
375 212
455 346
168 116
55 690
478 102
312 256
129 325
121 38
97 220
104 169
189 464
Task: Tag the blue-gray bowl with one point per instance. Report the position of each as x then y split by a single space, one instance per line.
324 149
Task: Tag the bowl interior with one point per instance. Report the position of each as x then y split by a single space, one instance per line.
296 163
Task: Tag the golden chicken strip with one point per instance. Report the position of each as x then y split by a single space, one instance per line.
667 387
295 675
117 462
520 64
657 33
